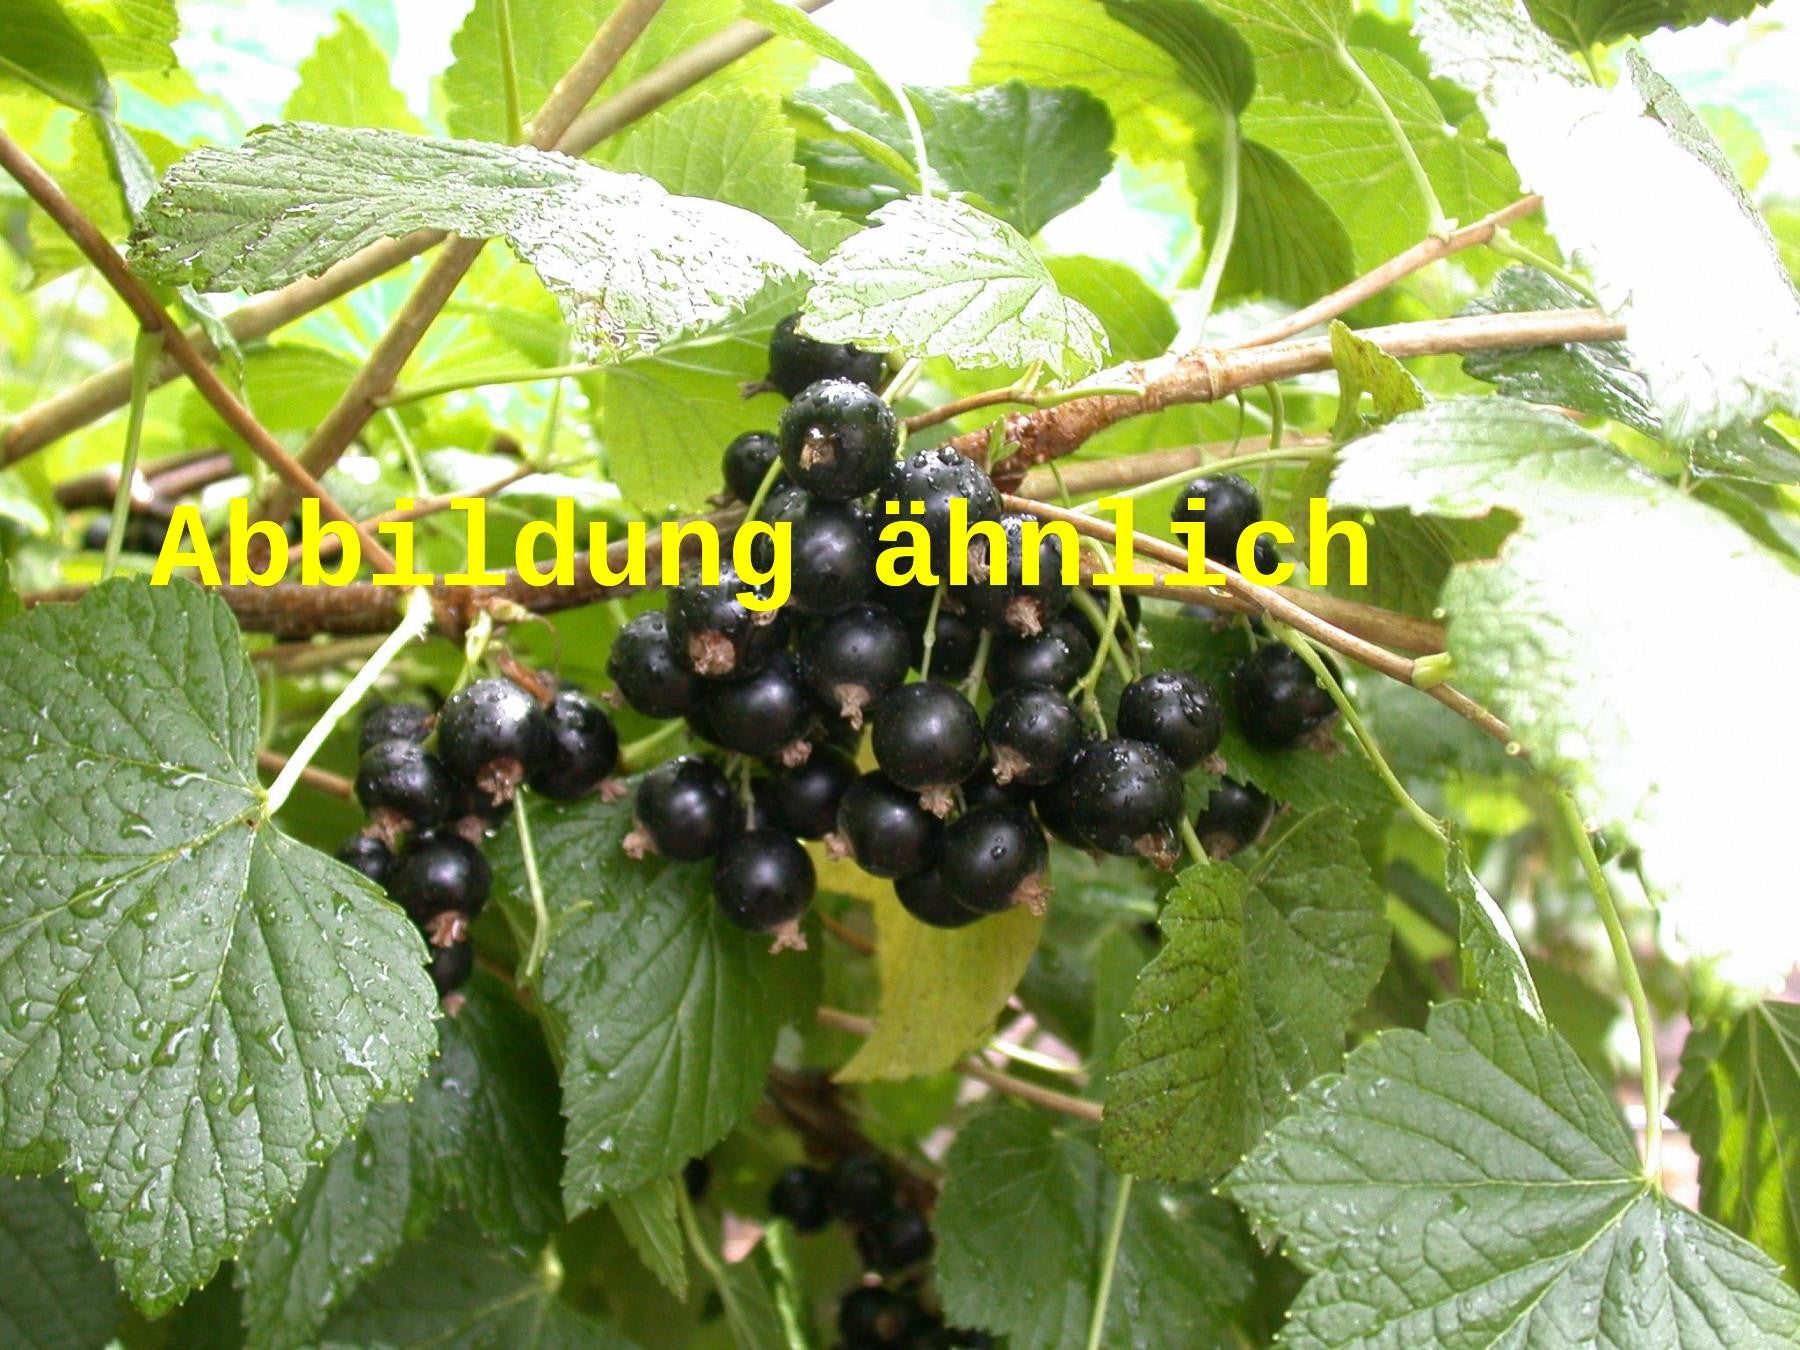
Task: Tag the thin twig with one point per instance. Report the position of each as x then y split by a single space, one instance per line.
419 510
301 658
272 762
847 935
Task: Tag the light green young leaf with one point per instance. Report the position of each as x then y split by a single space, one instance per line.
1472 1185
1299 45
651 1221
129 35
45 50
630 264
1289 244
940 278
1249 999
1581 24
1551 636
1208 52
1022 1225
1739 1100
1363 368
1631 180
199 1008
1139 323
58 1293
1492 964
345 83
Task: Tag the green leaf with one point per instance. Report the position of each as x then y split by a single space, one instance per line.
1551 636
199 1009
666 1011
743 1287
129 35
1021 1228
1297 44
1363 368
1630 179
940 278
1472 1185
651 1221
1207 51
58 1294
481 1132
45 50
453 1293
1249 999
630 264
1289 243
1739 1100
1492 964
1030 154
92 181
1139 323
10 604
345 83
1580 24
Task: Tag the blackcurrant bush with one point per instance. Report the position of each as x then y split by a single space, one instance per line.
713 633
1277 701
368 855
1232 507
882 826
583 748
1013 603
1129 800
490 734
683 811
927 737
796 360
407 781
451 967
855 659
442 873
957 639
873 1318
838 439
833 550
994 859
1057 658
1234 817
747 461
1034 733
932 479
861 1188
394 722
802 1196
804 800
766 714
763 882
895 1241
1177 712
642 664
928 899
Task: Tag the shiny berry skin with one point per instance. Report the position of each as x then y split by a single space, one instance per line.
763 882
895 1241
927 736
407 779
855 659
804 800
1276 700
802 1196
642 664
887 831
861 1189
934 478
583 748
796 360
928 899
1232 507
394 722
713 633
1059 808
994 859
1013 604
763 714
1129 800
956 640
440 873
490 732
1177 712
451 967
832 551
684 811
1268 557
838 439
1034 733
368 855
873 1318
980 789
746 463
1057 658
1234 817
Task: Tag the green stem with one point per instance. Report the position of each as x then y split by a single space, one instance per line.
1109 1260
509 72
418 393
1191 842
903 382
1632 982
1507 245
415 624
978 667
534 885
1055 398
1219 247
632 755
763 489
409 452
1437 224
929 640
144 354
1277 415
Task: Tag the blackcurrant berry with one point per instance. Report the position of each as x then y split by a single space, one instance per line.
1129 800
1232 507
368 855
442 873
1277 701
683 811
696 1176
932 479
394 722
1034 733
1014 604
882 826
1234 817
643 666
804 800
994 859
763 882
747 461
583 748
833 550
927 737
1267 556
1057 658
407 781
490 734
958 638
981 789
895 1241
796 360
929 900
451 967
873 1318
855 659
766 714
802 1196
861 1188
838 439
1177 712
713 634
1059 809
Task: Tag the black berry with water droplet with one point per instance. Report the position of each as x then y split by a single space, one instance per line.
441 873
642 664
583 748
368 855
884 828
1057 658
927 737
1177 712
933 479
394 722
747 462
993 859
491 734
407 779
1034 733
765 714
804 800
855 659
796 360
1015 604
838 439
714 634
831 551
1277 700
1234 817
683 811
1232 507
929 900
1128 800
763 882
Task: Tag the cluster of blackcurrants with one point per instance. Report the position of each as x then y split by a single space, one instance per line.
956 812
435 784
892 1238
